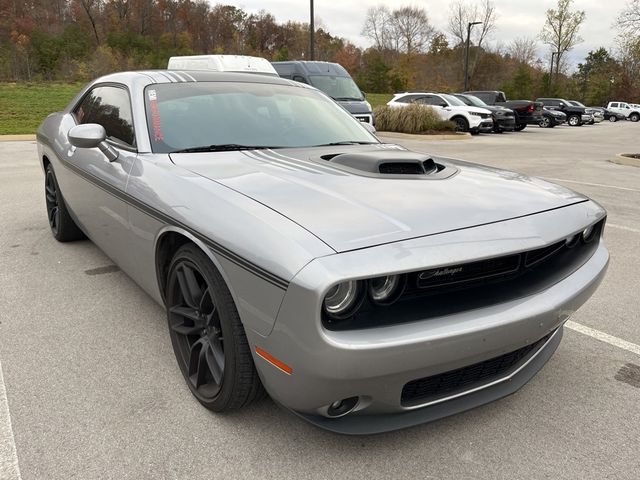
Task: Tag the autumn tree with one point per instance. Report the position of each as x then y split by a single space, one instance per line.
629 18
523 50
561 29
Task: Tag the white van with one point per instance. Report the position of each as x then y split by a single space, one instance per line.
223 63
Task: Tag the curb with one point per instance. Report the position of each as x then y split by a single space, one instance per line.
411 136
17 138
621 159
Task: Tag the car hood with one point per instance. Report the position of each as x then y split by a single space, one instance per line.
355 106
349 210
469 109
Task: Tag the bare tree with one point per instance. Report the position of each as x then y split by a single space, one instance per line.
377 26
411 29
92 7
406 29
629 18
462 13
560 30
523 50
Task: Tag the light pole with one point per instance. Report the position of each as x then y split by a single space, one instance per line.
553 54
312 29
466 55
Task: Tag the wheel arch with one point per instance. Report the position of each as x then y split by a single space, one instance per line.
167 243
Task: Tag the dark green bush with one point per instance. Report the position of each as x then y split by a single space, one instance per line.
410 119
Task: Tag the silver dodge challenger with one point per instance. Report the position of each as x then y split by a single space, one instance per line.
363 286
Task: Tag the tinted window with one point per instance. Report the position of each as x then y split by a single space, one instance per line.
111 108
187 115
614 105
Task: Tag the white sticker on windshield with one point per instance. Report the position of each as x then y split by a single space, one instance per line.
153 95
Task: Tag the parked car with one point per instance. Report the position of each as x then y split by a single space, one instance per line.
596 115
629 112
526 111
504 119
364 286
576 116
609 115
334 80
467 119
551 118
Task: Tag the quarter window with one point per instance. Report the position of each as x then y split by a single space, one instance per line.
110 107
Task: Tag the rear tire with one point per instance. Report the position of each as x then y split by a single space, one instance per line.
634 117
63 228
207 335
545 123
520 127
613 118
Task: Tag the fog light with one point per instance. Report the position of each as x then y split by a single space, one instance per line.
342 407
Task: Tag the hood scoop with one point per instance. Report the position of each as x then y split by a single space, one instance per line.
391 164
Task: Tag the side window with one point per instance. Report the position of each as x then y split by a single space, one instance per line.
407 99
111 108
614 105
299 78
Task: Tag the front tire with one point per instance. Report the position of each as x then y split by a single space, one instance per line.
207 335
63 228
520 127
461 124
574 120
545 123
613 118
634 117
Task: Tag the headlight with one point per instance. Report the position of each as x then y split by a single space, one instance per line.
588 234
343 299
386 290
572 241
368 106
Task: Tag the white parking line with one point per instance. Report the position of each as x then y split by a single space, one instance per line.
604 337
622 227
9 469
592 184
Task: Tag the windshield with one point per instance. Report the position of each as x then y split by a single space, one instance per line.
578 104
456 102
338 88
475 101
192 115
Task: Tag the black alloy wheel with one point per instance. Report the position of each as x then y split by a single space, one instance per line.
63 228
207 335
461 124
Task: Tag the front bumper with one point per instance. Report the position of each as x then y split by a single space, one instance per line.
484 126
375 364
507 124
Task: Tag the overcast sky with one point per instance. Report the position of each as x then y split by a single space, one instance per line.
516 18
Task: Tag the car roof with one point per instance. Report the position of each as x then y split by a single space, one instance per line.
190 76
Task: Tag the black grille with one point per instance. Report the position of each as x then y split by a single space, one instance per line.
398 168
453 274
425 389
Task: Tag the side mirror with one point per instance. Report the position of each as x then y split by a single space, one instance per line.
92 135
364 94
561 105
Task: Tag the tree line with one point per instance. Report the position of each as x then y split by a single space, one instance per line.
76 40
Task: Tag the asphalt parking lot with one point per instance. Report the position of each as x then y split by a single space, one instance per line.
94 392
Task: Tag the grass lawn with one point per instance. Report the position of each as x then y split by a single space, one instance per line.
24 105
378 99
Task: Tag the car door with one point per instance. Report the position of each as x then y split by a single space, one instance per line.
95 190
436 103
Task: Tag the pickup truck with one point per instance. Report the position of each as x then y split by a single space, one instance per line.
527 112
576 116
625 109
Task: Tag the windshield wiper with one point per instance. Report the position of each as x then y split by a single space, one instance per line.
224 147
345 142
348 99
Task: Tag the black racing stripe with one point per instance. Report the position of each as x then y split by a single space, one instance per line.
164 218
